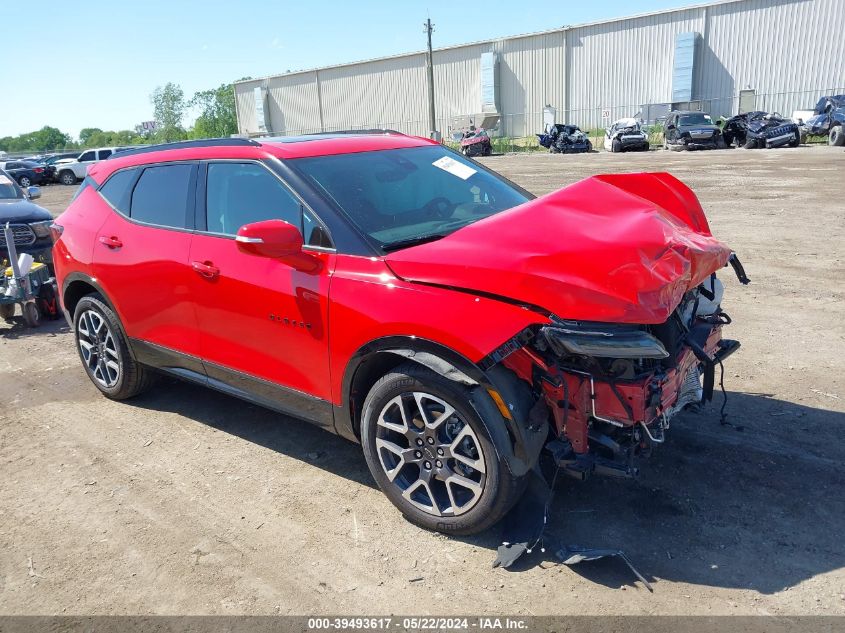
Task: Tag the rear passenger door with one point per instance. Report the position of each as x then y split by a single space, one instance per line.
141 259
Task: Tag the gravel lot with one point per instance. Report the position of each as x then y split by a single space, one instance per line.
185 501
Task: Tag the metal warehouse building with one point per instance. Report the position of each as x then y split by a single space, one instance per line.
720 57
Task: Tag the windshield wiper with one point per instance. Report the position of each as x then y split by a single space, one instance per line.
412 241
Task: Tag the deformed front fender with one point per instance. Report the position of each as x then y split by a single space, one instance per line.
503 402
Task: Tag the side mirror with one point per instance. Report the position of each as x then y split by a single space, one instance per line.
33 193
270 238
670 127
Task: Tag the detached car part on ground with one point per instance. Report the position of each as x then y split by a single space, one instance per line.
626 135
760 130
828 119
684 130
396 293
565 139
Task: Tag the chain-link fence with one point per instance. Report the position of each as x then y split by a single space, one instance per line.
518 132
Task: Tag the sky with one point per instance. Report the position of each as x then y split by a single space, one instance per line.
96 66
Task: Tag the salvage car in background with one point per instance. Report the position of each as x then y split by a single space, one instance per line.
828 119
771 130
476 143
565 139
760 129
625 135
394 292
691 130
29 222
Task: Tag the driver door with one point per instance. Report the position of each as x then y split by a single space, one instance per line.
262 323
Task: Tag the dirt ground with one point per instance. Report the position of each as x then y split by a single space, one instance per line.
186 501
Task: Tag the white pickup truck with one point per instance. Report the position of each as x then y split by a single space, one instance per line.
69 171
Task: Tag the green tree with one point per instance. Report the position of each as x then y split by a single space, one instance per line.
85 135
46 138
217 118
169 109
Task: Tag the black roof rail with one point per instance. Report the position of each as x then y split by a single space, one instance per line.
368 131
206 142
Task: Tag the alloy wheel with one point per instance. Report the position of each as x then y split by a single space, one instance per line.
431 454
98 348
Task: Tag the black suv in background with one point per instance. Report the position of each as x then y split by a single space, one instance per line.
691 130
30 223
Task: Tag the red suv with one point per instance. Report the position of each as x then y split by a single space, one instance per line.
405 297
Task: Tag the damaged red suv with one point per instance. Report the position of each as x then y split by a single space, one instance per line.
404 297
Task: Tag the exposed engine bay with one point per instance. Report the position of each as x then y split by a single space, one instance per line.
611 390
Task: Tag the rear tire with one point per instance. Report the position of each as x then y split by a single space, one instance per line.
837 136
616 146
24 182
795 142
751 144
442 471
104 351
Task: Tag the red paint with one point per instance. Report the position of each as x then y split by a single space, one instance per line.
622 249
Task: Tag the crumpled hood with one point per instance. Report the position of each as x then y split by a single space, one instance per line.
619 248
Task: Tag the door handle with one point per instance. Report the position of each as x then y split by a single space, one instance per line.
206 269
111 242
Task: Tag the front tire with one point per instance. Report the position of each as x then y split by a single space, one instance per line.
67 178
104 351
430 453
7 311
751 144
616 146
837 136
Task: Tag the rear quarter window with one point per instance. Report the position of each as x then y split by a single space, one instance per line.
118 189
162 194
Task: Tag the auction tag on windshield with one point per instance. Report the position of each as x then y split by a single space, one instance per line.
4 180
454 167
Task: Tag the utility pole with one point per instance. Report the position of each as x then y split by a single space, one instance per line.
429 64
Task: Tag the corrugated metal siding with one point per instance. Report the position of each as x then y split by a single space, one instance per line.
245 104
624 64
788 47
531 74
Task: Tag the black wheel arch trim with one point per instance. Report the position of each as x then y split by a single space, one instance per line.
77 276
517 442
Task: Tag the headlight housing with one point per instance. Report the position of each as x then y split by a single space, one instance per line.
600 342
41 229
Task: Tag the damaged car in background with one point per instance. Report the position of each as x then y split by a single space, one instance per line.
561 138
393 291
760 130
626 135
685 130
828 119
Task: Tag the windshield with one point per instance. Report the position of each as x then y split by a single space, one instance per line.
695 119
402 196
8 189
